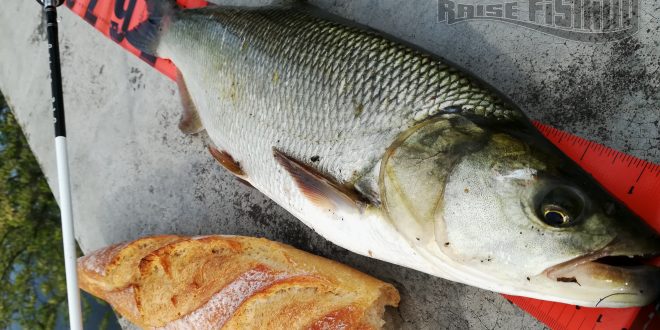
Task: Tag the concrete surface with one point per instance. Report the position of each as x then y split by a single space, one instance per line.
135 174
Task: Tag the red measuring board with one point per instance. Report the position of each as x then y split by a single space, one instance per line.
114 17
633 181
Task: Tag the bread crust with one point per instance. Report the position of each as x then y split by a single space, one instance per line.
232 282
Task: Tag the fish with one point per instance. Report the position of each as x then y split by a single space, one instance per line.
395 153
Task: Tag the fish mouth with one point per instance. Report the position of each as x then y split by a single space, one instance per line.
615 278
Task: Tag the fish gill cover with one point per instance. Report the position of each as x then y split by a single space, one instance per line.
634 182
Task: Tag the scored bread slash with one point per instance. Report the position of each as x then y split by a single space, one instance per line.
212 282
107 268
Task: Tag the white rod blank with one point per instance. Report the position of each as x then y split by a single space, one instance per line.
68 238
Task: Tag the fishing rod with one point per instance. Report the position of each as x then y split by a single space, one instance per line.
68 239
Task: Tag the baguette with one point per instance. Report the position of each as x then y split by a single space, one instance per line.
232 282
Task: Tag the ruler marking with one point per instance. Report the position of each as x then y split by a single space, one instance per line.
640 173
598 320
585 151
575 311
583 319
555 320
563 310
548 131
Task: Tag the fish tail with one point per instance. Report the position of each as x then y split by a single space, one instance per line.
146 36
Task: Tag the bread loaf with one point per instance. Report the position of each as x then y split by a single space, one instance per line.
232 282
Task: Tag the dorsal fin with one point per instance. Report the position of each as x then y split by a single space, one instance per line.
320 190
190 122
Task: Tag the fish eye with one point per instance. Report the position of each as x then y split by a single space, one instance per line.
555 216
561 207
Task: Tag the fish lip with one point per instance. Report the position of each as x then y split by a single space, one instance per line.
600 283
572 263
590 275
608 251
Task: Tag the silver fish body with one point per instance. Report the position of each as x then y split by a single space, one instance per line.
393 153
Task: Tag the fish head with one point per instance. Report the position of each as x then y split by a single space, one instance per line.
509 212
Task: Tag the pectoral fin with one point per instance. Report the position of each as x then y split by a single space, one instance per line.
190 122
321 191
